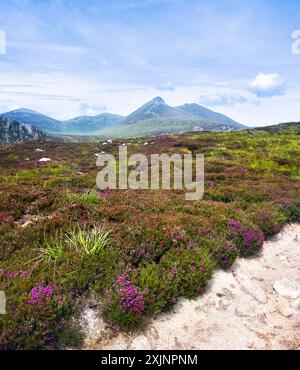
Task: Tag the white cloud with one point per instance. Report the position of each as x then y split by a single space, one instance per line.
267 85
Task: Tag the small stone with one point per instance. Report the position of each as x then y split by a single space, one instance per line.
296 304
140 343
224 303
243 311
210 302
45 160
287 288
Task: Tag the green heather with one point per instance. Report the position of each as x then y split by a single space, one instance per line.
136 252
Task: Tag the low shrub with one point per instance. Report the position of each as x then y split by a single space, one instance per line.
247 239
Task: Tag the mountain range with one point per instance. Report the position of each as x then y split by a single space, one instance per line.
153 118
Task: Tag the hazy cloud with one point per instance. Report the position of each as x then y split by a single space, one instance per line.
91 109
223 99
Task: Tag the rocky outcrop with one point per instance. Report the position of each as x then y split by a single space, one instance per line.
12 132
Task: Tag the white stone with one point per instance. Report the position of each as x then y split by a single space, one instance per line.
39 150
296 304
249 287
45 160
140 343
287 288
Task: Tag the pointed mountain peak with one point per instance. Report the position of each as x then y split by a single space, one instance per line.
158 100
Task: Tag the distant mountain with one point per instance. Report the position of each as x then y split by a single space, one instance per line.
197 112
89 124
37 120
153 110
12 132
192 117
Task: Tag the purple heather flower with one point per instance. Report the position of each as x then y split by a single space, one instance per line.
132 297
202 266
229 248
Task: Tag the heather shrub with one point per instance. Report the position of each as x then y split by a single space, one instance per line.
189 268
290 208
269 218
160 287
36 315
225 254
124 302
247 239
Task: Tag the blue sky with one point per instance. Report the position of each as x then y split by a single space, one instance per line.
69 57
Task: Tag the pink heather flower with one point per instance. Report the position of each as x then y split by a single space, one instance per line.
235 225
173 270
153 298
202 266
285 202
43 294
173 301
229 248
11 275
58 299
132 298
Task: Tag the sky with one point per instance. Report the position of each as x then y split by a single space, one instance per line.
66 58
